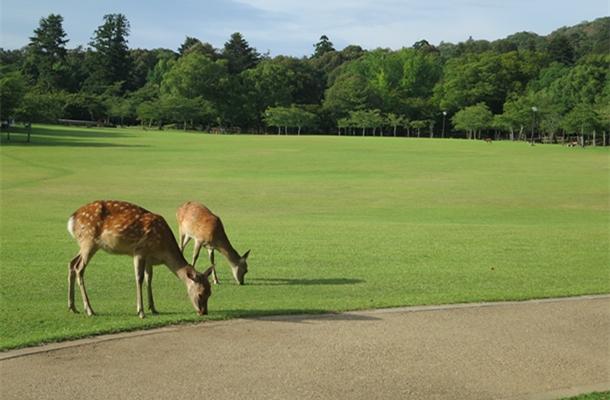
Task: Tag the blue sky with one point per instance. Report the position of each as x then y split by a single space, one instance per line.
291 28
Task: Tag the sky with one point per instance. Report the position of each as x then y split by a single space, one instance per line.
291 28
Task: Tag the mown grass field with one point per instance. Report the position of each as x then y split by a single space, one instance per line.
334 223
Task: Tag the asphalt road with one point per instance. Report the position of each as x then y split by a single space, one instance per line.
541 349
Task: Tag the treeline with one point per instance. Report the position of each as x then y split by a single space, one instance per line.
522 85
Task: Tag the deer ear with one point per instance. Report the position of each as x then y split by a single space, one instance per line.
191 273
209 271
245 256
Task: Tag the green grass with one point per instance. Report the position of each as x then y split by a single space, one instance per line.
334 223
591 396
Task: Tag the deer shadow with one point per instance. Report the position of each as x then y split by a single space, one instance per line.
302 281
297 316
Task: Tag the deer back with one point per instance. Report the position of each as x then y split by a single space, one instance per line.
197 221
124 228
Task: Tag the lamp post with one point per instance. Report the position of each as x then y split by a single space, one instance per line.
444 115
534 109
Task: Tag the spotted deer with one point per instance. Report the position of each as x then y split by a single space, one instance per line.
196 221
122 228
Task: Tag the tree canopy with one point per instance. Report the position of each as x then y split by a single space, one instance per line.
465 87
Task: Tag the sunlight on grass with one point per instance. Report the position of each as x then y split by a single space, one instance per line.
334 223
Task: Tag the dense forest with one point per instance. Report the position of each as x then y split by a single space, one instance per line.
554 87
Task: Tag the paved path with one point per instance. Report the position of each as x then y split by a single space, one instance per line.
521 350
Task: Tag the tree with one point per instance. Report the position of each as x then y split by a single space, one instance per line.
142 63
322 47
149 111
188 43
118 107
277 116
561 50
186 110
196 75
350 92
48 53
583 119
39 107
267 85
301 118
473 119
419 125
12 91
366 119
394 121
588 82
84 106
239 54
205 49
293 117
486 77
516 116
196 79
398 78
307 83
108 61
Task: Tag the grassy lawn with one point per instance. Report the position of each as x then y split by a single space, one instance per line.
591 396
334 223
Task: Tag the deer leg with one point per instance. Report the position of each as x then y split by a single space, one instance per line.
148 273
184 239
139 264
196 250
71 280
211 256
77 270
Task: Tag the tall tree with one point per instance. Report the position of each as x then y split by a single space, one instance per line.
109 60
486 77
142 63
561 50
350 92
48 53
267 85
188 43
239 54
323 46
308 83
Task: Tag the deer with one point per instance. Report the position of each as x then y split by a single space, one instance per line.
118 227
196 221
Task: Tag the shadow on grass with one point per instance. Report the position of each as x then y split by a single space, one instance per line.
296 316
67 137
283 281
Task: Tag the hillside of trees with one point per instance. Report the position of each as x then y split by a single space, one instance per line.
553 86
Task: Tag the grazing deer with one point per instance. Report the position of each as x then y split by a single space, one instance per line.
123 228
488 140
197 221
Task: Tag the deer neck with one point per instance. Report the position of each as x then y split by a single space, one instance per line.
178 265
230 254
